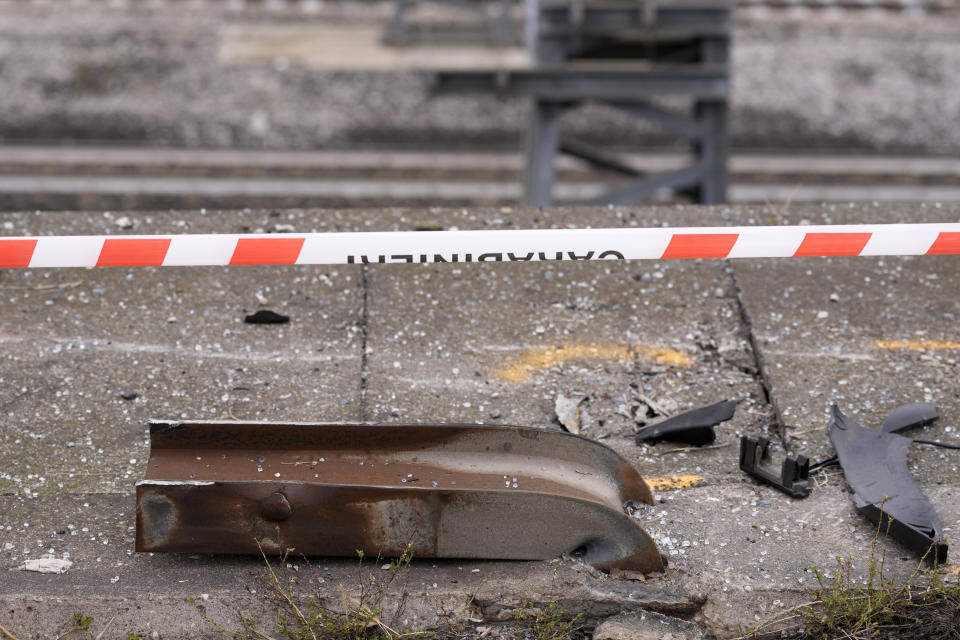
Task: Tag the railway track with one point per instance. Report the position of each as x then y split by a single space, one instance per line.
308 7
101 177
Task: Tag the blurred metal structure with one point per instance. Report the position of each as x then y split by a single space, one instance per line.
492 24
628 54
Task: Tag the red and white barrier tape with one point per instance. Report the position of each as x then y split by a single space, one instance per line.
481 246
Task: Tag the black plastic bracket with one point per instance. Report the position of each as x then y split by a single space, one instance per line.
691 427
793 477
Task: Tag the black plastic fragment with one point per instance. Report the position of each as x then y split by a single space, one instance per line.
265 316
691 427
875 465
906 416
793 476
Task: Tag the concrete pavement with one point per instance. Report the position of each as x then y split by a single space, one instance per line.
477 343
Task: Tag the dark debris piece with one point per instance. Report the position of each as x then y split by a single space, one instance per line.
906 416
691 427
793 476
265 316
874 463
128 394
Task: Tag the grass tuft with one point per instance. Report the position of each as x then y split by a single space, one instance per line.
81 622
550 622
300 615
844 608
306 616
923 606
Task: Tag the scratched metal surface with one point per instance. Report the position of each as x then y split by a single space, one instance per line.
455 491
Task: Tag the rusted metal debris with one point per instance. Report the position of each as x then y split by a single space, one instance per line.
453 491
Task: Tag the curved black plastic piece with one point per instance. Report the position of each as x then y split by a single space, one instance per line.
266 316
908 416
793 477
691 427
875 465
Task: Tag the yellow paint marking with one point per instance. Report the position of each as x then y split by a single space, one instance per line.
674 482
535 360
918 345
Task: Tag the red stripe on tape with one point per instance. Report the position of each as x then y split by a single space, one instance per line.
133 252
947 243
16 253
832 244
700 245
267 251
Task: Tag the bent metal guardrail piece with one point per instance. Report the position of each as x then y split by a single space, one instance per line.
455 491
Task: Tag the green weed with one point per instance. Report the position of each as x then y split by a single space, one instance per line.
301 616
550 622
923 606
81 622
845 609
362 614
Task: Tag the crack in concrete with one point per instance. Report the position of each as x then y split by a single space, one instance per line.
364 327
760 370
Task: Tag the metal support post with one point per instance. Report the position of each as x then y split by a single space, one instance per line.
712 145
542 140
712 149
